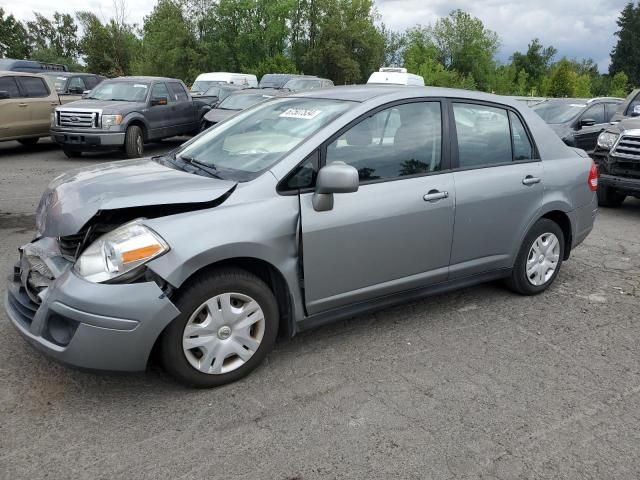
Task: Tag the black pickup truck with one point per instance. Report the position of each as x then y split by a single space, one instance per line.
125 113
618 155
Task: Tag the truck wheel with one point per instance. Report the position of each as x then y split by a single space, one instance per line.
29 142
72 153
227 326
133 142
539 259
609 197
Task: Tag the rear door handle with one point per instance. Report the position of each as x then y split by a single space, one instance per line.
529 180
435 195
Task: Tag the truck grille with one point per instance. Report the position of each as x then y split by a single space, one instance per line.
78 119
628 147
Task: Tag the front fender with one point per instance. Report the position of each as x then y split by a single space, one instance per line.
138 117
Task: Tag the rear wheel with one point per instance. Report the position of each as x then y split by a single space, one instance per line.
134 142
71 153
539 259
227 326
29 142
609 197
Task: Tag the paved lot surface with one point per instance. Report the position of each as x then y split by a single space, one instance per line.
475 384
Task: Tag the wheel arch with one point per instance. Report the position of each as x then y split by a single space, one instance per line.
564 222
139 121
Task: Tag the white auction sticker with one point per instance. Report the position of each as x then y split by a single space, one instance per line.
300 113
139 85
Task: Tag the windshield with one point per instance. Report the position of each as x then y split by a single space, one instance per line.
203 85
124 91
240 102
302 84
556 112
274 81
257 138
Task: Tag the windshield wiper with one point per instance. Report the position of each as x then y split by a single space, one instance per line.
210 169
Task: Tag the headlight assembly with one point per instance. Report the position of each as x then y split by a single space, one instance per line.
120 252
607 140
109 121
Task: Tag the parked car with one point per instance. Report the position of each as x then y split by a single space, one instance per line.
215 94
302 210
578 122
71 86
29 66
630 107
237 102
302 83
276 80
618 159
204 81
125 113
26 103
395 76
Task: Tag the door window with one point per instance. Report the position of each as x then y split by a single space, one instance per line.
484 136
160 90
610 110
522 147
396 142
33 86
634 103
178 92
76 84
90 82
303 176
8 84
596 112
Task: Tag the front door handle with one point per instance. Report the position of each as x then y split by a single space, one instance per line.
529 180
23 105
435 195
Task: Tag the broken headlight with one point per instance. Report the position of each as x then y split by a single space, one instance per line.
120 252
607 140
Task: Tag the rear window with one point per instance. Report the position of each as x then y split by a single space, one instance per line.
9 85
33 86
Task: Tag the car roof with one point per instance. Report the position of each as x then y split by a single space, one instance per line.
364 93
257 91
585 101
142 78
4 73
54 73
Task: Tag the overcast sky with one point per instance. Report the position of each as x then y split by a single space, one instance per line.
577 28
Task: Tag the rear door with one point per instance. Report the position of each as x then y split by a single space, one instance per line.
499 186
14 114
587 136
183 108
395 232
39 103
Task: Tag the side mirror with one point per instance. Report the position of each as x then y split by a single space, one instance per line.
636 111
86 93
337 177
4 95
76 90
587 122
159 101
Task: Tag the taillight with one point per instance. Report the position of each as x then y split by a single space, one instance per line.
593 177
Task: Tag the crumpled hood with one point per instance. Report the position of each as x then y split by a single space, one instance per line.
105 106
73 198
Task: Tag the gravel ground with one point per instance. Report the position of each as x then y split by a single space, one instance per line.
479 383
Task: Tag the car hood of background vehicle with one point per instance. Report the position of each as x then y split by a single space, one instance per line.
72 199
105 106
625 125
217 115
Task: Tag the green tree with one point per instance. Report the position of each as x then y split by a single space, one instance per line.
583 86
563 81
278 64
168 47
14 41
535 62
625 56
619 85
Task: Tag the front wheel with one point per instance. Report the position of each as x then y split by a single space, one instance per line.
539 259
227 326
71 153
609 197
133 142
29 142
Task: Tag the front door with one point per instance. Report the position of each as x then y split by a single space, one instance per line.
13 115
395 233
160 116
587 136
499 188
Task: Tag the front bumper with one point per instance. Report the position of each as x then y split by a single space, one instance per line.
626 185
86 140
88 325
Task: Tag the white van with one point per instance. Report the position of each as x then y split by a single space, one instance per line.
396 76
207 80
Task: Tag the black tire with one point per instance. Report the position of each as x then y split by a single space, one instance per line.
71 153
29 142
609 197
190 299
134 142
519 281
